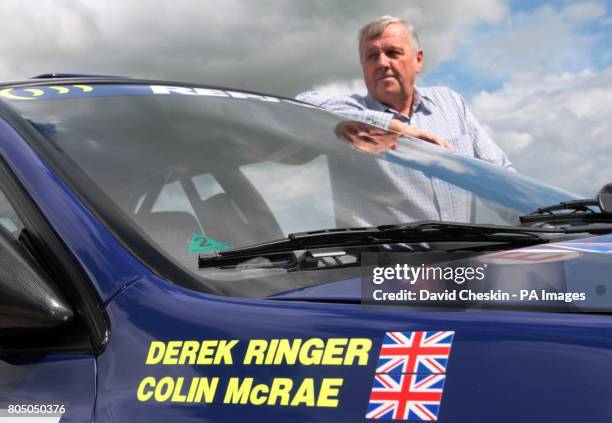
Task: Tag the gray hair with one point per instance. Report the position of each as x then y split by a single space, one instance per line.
376 27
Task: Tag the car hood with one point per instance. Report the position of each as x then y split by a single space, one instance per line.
579 265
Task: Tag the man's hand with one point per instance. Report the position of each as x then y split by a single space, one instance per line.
373 140
405 129
365 137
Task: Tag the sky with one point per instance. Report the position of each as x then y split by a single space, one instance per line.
537 74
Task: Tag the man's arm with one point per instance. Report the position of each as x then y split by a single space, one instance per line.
347 106
350 107
484 147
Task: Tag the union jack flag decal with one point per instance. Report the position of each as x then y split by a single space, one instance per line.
415 352
406 397
410 376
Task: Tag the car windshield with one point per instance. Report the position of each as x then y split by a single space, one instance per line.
201 170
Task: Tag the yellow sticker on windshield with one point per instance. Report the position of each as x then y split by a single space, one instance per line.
45 92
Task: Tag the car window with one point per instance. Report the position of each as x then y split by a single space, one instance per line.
207 186
304 199
172 198
8 217
200 174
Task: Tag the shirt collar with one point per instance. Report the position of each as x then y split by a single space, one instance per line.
421 102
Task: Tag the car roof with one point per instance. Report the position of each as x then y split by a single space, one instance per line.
65 78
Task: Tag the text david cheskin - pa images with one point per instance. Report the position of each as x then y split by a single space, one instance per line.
468 285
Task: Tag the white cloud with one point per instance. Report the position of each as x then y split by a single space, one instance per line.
277 46
546 40
556 129
339 88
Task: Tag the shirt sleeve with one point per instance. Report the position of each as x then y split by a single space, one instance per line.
347 106
484 147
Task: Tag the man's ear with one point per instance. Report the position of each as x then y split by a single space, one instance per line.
419 60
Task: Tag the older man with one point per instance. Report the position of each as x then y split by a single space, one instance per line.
391 59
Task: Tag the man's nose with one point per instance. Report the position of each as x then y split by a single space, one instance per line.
383 60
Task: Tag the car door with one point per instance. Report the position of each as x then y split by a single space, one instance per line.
177 354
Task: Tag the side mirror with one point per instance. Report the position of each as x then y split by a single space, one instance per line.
604 198
28 298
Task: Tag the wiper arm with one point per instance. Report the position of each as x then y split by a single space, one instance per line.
577 209
425 231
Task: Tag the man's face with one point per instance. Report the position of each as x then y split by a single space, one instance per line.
390 65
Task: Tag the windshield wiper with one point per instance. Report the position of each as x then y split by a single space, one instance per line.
425 231
576 209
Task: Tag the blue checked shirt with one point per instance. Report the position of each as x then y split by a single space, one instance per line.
438 110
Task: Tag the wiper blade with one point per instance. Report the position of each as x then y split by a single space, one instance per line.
577 209
425 231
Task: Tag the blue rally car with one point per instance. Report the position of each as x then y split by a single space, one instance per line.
174 252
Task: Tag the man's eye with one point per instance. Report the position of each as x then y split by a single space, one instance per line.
372 56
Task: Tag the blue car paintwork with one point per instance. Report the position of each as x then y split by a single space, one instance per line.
510 364
504 366
68 380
